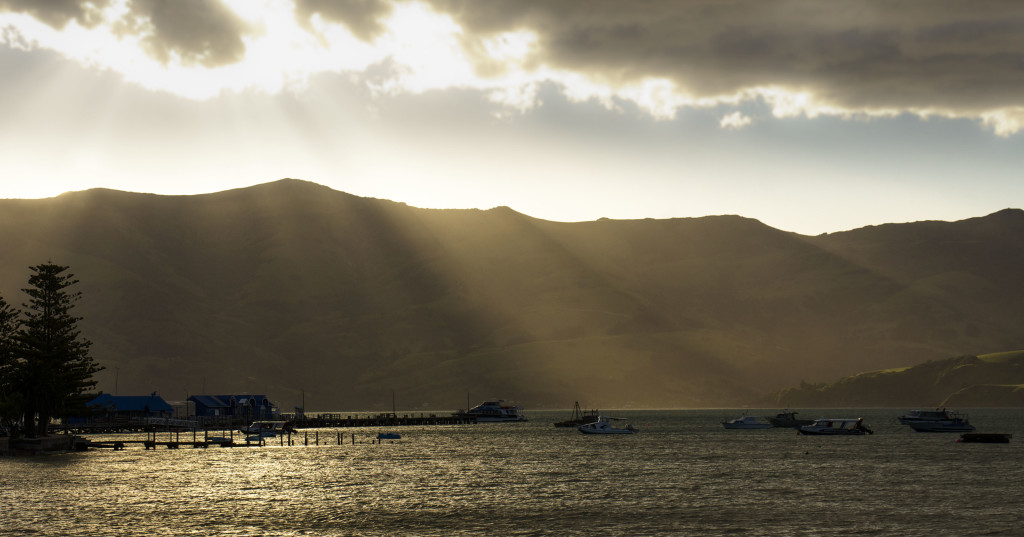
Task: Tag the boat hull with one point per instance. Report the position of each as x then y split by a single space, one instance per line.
940 427
986 438
831 432
483 419
611 431
792 423
836 427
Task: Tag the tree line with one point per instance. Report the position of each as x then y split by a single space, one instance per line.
45 366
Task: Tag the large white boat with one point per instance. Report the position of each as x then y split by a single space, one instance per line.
936 421
604 425
836 426
746 422
495 411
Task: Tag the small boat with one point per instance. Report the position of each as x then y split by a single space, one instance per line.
388 436
836 426
494 411
579 417
986 438
787 418
746 422
936 421
603 425
266 429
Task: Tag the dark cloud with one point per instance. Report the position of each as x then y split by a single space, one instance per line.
949 55
879 54
361 17
58 13
203 32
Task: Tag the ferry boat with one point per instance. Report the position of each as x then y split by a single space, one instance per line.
746 422
603 425
936 421
836 426
494 411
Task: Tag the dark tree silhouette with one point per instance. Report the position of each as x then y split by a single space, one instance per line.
10 402
52 362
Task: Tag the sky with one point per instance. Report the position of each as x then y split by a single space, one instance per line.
811 116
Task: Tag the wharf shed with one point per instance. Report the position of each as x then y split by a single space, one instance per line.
249 407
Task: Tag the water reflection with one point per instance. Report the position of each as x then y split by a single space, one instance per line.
683 474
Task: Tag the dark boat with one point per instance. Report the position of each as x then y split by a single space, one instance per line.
578 417
787 418
986 438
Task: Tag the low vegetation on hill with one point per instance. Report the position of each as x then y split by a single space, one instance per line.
964 381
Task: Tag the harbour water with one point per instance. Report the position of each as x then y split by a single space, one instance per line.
683 474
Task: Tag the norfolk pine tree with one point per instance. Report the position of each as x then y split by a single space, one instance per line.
52 362
10 400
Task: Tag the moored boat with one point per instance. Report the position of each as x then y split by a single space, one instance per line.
604 425
787 418
836 426
579 417
266 428
746 422
936 421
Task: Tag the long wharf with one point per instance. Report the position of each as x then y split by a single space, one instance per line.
379 420
310 432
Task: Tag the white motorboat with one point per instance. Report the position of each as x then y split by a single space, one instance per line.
495 411
604 425
746 422
936 421
836 426
266 428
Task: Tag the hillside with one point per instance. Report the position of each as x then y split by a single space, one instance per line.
965 381
291 288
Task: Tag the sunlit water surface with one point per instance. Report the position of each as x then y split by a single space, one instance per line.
683 474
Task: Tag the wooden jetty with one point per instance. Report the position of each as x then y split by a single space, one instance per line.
312 433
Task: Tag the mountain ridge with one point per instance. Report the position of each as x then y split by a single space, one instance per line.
286 286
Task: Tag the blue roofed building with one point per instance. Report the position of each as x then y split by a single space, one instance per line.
246 406
130 406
